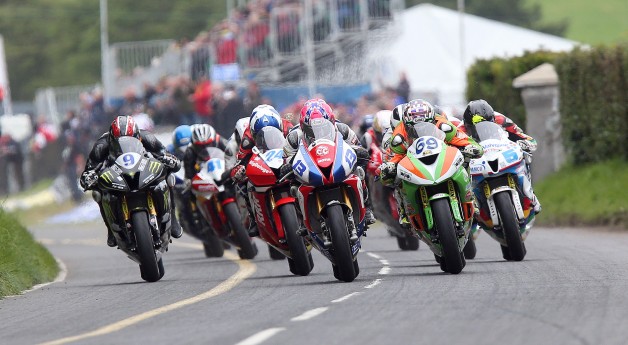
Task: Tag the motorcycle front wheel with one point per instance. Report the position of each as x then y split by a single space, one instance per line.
247 250
299 262
452 260
510 226
340 244
149 267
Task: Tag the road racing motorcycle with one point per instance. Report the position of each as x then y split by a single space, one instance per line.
501 186
135 198
216 201
273 207
330 197
385 205
436 190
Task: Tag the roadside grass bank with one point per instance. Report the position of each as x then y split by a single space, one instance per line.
595 194
23 262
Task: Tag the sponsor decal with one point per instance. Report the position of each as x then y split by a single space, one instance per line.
258 212
322 151
142 164
116 169
154 167
107 176
260 167
323 160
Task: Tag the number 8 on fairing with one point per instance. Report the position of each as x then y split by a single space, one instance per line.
350 157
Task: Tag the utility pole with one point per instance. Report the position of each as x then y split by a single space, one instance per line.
461 38
5 91
309 47
104 51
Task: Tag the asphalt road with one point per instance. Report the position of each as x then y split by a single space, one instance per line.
571 289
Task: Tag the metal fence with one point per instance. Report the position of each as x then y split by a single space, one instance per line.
54 102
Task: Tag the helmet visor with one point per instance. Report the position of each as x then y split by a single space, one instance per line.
488 130
319 129
423 129
269 138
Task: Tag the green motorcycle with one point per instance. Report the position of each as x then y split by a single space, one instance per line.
437 195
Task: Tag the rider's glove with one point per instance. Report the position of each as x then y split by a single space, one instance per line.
285 170
88 179
526 146
471 152
171 161
238 173
387 170
361 153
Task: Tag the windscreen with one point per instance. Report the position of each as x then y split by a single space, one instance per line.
269 138
319 129
125 145
488 130
423 129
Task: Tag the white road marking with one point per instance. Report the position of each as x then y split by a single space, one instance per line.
344 298
384 270
310 314
246 269
375 256
260 337
373 284
384 262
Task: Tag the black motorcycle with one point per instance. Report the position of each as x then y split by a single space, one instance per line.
133 190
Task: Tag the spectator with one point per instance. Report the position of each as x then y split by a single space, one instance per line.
403 88
10 155
202 99
230 109
253 97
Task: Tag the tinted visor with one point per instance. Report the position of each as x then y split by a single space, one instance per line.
488 130
319 129
269 138
124 145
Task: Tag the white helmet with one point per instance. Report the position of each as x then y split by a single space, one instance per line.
240 128
203 134
262 116
396 115
381 122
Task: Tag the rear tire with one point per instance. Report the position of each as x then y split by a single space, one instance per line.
213 244
469 249
300 261
452 258
408 242
510 226
149 268
275 254
247 249
340 244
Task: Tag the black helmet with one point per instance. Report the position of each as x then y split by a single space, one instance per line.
477 111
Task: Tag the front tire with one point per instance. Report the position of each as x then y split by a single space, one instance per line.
340 243
452 261
247 249
213 244
470 249
510 226
149 267
300 262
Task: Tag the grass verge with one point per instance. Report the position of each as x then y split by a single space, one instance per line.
23 261
595 194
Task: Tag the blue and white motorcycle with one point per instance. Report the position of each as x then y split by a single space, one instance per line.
503 191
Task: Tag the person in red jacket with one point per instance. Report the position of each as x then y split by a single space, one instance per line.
202 99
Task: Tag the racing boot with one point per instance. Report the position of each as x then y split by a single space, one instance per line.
111 240
175 227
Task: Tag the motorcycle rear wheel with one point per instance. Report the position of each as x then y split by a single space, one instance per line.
299 262
247 250
408 242
149 267
213 244
510 226
452 259
470 249
340 243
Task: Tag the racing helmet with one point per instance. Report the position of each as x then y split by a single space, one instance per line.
418 110
203 135
381 123
262 116
240 128
181 137
477 111
316 108
397 114
124 126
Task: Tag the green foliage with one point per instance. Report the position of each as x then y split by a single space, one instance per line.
594 102
492 81
591 194
592 22
23 262
57 42
516 12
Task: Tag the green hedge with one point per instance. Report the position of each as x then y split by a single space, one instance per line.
492 80
593 101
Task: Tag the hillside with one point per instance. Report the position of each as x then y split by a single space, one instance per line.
592 22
